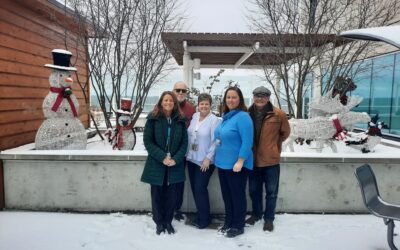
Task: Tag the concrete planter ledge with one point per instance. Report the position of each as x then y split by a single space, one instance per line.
286 157
110 181
75 155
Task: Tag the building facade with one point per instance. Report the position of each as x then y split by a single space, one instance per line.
29 31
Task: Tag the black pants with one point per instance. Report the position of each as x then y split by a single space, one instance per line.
179 190
163 201
199 182
233 188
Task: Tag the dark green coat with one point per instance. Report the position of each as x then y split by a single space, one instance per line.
155 138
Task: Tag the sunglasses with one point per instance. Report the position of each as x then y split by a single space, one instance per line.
180 91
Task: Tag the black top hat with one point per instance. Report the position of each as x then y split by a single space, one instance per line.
61 60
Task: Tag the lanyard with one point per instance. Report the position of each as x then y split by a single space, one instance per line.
167 144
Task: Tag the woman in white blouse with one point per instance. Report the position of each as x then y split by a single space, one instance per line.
200 157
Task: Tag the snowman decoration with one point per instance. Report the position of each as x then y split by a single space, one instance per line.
62 129
123 137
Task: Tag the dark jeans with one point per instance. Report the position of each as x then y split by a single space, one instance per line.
269 176
179 190
199 182
233 188
163 201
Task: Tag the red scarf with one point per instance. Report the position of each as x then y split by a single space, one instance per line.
59 99
340 132
120 142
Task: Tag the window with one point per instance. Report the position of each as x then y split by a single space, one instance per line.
381 88
395 113
362 78
308 93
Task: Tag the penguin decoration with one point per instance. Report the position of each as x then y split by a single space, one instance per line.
62 128
123 137
366 141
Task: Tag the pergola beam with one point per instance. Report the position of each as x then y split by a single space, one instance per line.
231 66
235 49
244 57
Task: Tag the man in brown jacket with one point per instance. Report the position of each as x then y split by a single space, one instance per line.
271 128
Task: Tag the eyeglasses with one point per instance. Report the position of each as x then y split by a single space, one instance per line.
180 90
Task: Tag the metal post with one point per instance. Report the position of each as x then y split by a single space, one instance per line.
390 229
186 67
2 198
317 83
190 75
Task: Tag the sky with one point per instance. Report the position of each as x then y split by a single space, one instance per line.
226 16
216 16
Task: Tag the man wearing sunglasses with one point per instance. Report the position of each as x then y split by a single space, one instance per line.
271 128
180 90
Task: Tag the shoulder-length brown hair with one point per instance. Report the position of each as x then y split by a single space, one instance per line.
241 106
159 109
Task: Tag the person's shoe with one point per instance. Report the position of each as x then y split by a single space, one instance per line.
252 220
170 228
233 232
223 229
196 223
199 226
160 229
178 216
268 226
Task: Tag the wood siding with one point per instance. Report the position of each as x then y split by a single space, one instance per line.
29 31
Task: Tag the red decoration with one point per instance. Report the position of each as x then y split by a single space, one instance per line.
118 136
126 104
60 97
340 132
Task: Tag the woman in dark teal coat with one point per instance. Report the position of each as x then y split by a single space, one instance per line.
165 138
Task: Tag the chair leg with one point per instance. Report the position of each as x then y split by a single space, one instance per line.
390 229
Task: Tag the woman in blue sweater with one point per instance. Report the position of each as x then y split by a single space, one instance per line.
234 158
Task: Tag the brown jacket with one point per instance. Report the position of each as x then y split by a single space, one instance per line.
274 130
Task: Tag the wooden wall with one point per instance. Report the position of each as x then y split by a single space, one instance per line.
29 30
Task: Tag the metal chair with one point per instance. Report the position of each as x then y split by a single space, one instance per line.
374 203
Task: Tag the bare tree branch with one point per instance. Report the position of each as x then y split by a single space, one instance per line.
126 54
306 18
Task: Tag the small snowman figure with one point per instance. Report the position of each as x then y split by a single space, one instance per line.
62 129
123 137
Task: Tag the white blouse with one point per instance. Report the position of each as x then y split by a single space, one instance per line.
202 134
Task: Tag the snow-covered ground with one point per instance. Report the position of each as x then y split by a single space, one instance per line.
62 231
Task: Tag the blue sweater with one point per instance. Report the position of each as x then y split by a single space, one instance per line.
235 135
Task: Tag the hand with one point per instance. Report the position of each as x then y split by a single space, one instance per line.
238 166
167 161
205 165
171 163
